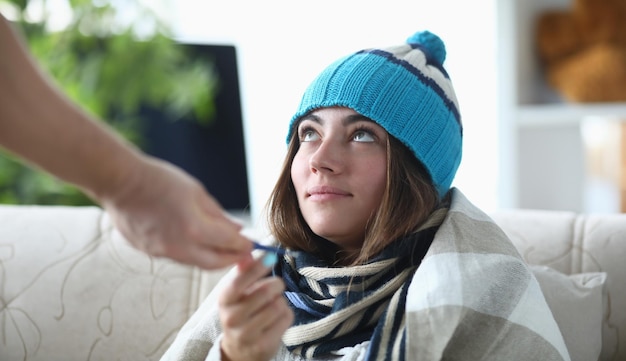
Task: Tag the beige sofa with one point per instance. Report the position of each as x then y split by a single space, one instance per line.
72 289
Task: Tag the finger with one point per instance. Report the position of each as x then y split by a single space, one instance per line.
275 323
223 235
219 229
211 259
262 293
247 274
244 315
208 206
282 319
274 315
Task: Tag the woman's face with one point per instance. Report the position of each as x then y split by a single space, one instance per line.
339 173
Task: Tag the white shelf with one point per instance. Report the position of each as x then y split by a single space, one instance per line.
542 115
543 147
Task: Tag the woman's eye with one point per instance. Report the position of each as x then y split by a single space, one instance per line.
363 136
308 136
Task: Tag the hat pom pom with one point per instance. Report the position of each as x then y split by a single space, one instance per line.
431 42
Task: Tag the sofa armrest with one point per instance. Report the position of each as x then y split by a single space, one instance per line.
72 288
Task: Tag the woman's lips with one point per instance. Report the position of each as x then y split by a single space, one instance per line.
326 193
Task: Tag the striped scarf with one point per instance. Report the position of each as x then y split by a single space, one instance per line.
337 307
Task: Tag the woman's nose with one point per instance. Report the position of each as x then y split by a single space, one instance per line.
327 158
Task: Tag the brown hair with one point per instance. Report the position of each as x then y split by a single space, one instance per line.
408 200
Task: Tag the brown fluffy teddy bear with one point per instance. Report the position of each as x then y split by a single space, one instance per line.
583 50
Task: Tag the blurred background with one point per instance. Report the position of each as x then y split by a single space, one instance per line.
211 86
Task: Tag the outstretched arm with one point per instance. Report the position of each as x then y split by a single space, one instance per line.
158 207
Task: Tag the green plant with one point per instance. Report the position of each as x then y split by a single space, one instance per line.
111 68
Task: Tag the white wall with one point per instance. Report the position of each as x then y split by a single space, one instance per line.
282 45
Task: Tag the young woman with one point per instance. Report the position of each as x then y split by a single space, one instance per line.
392 263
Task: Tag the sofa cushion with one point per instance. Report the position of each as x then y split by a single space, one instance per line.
577 303
574 243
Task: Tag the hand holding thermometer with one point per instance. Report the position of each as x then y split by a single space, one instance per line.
277 250
272 252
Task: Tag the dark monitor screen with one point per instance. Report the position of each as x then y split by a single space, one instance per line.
215 153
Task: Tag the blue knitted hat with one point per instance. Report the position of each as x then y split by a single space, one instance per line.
404 89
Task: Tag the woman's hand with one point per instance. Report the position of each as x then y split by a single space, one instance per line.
254 313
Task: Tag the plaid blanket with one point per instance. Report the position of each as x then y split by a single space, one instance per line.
471 298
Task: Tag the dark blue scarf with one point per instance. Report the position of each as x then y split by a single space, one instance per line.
337 307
